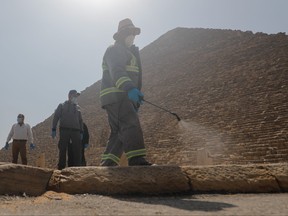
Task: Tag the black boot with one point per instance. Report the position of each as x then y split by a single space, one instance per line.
138 161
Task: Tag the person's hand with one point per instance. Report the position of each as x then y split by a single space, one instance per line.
86 145
135 95
53 133
32 146
6 145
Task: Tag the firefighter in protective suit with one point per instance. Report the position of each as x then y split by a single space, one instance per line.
121 97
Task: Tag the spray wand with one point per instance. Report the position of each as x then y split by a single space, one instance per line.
172 113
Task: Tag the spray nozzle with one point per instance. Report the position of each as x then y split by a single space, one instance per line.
178 118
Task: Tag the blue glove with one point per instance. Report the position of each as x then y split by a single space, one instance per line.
86 145
6 146
53 133
135 95
32 146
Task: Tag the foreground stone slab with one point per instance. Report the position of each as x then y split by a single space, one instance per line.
120 180
18 179
255 178
280 172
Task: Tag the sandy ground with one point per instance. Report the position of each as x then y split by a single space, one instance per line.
52 203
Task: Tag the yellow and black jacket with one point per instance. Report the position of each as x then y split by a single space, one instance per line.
121 72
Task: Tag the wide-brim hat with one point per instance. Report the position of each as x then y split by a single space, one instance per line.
126 27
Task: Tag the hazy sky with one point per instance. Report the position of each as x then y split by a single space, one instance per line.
48 47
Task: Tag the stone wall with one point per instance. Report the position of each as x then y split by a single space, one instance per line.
154 180
230 87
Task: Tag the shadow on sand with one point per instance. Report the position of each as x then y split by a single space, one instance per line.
180 202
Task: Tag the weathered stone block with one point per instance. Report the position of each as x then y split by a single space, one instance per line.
280 172
233 179
18 179
120 180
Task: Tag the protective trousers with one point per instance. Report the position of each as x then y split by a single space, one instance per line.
70 155
126 134
19 146
69 137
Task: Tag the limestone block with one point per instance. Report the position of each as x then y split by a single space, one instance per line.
40 161
17 179
120 180
232 179
204 157
123 160
280 172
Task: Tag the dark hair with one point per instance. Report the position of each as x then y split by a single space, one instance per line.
20 116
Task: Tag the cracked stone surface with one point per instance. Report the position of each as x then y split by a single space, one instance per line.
120 180
256 178
239 178
20 179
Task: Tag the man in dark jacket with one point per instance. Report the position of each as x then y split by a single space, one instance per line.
121 97
85 144
71 129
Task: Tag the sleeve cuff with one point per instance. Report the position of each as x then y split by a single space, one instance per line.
128 87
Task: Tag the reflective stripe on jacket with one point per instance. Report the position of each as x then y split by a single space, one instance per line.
121 72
